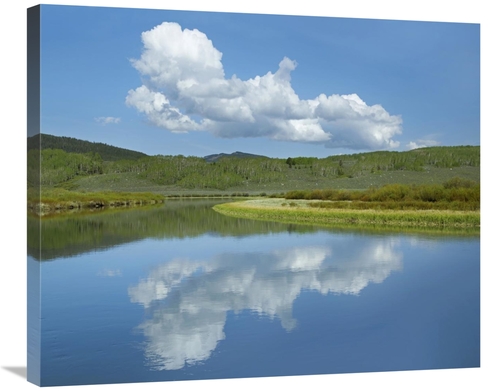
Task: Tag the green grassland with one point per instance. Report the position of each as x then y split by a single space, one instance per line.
183 175
300 212
293 180
453 205
67 173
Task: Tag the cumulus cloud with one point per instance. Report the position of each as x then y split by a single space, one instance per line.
189 299
185 89
422 144
107 120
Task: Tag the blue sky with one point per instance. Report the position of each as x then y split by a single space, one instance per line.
196 83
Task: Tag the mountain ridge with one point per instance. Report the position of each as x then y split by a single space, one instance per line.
74 145
109 152
238 154
113 153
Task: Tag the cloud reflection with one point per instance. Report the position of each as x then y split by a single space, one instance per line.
189 299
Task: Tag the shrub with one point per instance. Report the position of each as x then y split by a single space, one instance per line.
296 195
431 193
457 182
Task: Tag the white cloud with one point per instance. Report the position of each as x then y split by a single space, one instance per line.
185 89
107 120
422 144
158 109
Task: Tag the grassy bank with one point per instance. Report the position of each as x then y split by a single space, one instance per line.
49 200
300 212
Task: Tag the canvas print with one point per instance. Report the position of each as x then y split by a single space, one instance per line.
224 195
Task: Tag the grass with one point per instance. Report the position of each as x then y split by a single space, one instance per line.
294 180
124 189
397 205
455 194
300 212
60 199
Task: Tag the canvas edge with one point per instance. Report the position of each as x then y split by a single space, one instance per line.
33 129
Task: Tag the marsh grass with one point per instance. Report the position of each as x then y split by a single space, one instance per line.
393 205
454 194
303 213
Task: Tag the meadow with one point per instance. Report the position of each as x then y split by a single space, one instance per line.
301 212
389 188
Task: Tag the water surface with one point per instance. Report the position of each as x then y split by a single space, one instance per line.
181 292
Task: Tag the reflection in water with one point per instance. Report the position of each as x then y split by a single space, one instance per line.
109 273
189 299
68 235
74 234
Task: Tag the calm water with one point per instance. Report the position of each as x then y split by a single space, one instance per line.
181 292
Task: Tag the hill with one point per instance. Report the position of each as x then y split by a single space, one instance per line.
237 154
87 166
73 145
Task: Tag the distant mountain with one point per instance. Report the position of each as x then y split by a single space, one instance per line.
70 144
237 154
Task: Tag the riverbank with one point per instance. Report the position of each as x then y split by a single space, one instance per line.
300 212
48 201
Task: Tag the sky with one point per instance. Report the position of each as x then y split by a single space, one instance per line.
197 83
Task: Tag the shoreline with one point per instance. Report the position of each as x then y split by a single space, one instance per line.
300 212
41 208
50 201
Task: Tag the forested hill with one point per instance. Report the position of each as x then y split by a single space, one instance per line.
238 154
73 145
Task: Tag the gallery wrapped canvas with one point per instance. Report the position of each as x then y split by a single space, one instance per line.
225 195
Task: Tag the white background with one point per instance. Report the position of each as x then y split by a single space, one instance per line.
13 193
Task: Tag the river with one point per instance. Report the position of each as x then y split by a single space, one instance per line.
178 292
